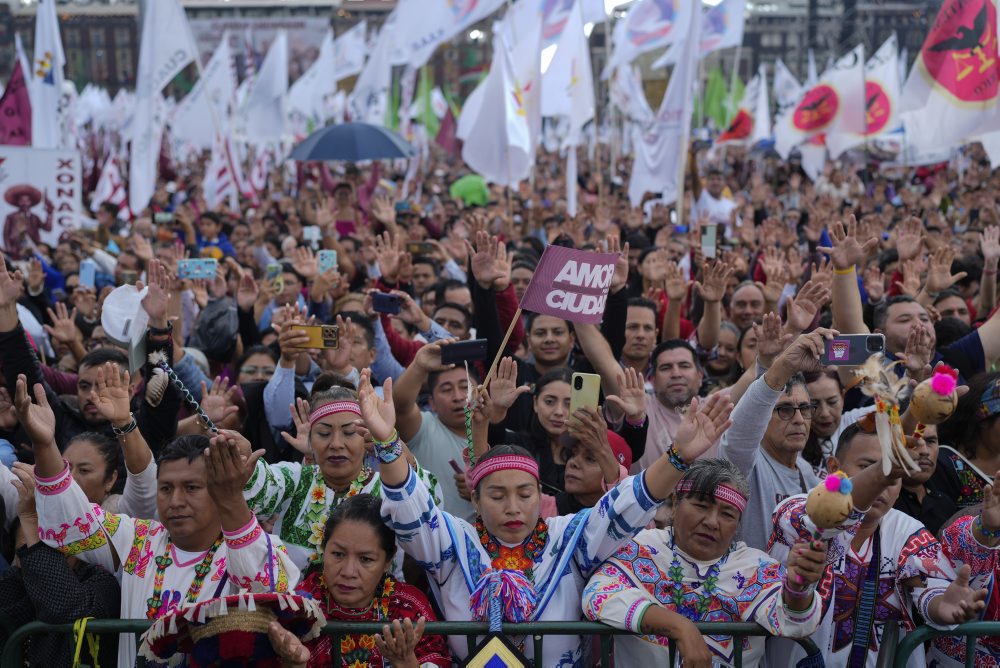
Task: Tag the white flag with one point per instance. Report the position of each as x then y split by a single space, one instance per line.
110 187
370 98
307 96
349 51
835 104
787 88
649 25
882 95
660 150
752 121
951 94
501 152
422 25
264 113
223 175
521 28
568 84
26 69
47 79
166 47
196 117
627 94
721 28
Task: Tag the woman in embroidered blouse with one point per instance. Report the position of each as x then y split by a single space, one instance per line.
973 432
664 580
533 569
975 542
301 495
355 585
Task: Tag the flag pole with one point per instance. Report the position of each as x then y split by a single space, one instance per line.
503 346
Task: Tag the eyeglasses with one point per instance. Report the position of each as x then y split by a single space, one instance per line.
787 411
254 370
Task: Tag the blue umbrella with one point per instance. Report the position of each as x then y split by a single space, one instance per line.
352 142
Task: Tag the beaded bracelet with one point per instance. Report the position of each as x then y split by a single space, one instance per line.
127 429
391 450
676 460
986 532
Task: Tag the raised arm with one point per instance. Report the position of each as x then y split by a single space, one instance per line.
847 253
990 243
406 391
711 289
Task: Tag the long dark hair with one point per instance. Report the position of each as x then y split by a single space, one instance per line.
365 509
964 428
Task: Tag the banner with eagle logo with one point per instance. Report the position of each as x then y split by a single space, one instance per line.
952 89
882 93
752 121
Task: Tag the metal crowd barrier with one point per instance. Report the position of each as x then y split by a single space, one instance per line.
13 650
970 630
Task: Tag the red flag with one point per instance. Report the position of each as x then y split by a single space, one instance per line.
447 137
15 111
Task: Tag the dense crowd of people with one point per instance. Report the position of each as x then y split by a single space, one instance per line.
392 486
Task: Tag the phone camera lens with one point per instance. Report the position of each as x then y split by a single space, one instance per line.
579 383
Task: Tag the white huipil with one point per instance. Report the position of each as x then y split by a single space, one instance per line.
747 589
449 549
247 558
907 554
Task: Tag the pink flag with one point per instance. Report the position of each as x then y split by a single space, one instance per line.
571 284
15 111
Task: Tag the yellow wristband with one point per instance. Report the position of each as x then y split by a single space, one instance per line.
843 272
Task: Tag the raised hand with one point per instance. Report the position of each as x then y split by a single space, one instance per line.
8 414
939 276
228 469
387 255
503 389
300 418
158 298
703 424
990 244
11 286
383 210
620 277
715 281
909 238
770 339
428 358
305 262
848 248
379 414
822 272
918 352
340 358
112 395
489 262
675 284
38 420
218 401
631 397
24 483
36 275
910 285
247 292
802 310
806 351
63 328
806 563
874 283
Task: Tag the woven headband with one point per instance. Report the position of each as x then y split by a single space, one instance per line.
503 463
989 402
723 493
334 407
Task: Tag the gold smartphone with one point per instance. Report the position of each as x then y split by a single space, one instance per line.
585 391
320 336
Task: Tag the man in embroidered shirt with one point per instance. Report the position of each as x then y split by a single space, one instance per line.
207 543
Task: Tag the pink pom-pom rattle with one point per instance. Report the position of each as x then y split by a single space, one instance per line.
830 503
935 399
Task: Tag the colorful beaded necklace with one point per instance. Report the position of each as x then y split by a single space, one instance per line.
694 611
155 602
357 653
521 557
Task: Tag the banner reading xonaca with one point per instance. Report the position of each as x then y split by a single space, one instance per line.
571 284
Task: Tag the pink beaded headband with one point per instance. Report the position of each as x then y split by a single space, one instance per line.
723 493
335 407
503 463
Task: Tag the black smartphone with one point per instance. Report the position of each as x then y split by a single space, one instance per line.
383 302
852 349
464 351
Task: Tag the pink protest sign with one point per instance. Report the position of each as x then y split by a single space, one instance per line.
571 284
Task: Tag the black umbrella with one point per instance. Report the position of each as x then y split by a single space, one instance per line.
352 142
